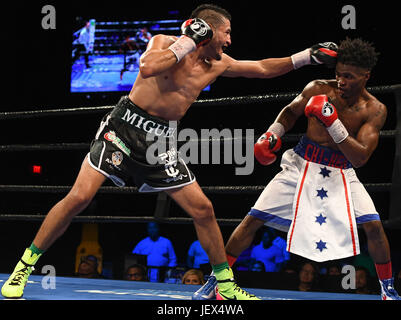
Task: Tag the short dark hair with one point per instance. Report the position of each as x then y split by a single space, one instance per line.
357 52
211 13
139 266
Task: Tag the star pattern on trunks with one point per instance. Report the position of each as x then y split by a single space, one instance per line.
321 245
325 172
322 193
321 219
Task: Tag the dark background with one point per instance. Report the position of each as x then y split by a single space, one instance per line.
36 74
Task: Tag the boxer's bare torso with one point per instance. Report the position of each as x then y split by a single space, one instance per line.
365 109
169 94
361 113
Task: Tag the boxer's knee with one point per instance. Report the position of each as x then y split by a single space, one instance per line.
76 201
203 211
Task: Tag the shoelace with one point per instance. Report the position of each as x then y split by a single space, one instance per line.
20 274
242 291
237 288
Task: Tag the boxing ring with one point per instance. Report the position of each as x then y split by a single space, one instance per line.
67 288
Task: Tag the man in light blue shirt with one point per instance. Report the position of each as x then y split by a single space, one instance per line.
159 251
196 255
271 251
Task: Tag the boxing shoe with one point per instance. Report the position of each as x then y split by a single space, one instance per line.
387 290
207 291
227 288
14 287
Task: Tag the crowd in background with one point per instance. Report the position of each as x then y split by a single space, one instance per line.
268 257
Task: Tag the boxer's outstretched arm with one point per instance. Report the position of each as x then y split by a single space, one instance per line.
322 53
266 68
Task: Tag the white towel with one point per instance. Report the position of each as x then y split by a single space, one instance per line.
323 226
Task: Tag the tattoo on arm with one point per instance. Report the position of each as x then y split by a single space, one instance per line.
380 117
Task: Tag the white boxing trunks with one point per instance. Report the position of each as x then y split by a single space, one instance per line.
275 204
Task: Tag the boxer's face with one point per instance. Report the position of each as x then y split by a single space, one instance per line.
221 40
350 79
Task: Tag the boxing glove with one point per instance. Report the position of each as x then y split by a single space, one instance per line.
197 30
265 148
324 53
321 108
195 33
321 53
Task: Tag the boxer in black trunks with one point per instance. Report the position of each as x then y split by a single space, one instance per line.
173 72
120 150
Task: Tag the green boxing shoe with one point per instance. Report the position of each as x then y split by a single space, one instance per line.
227 288
14 287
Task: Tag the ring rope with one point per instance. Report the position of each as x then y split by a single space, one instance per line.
378 187
85 146
391 224
203 102
118 219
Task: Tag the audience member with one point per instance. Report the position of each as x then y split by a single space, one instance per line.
88 267
258 266
136 272
159 251
308 277
271 251
193 276
362 281
333 269
331 279
196 255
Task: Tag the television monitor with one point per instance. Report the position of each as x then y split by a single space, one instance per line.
105 54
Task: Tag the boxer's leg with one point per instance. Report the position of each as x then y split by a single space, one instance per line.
54 225
378 245
379 250
242 237
192 199
59 217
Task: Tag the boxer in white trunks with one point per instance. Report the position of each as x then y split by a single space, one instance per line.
344 122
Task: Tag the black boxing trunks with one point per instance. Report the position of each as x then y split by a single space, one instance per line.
134 147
